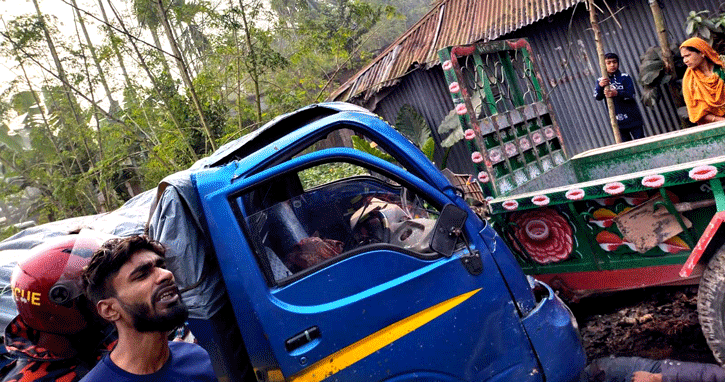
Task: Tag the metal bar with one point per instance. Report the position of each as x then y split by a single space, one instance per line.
534 79
590 252
667 203
718 193
517 98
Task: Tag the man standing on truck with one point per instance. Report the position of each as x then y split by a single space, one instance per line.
129 284
621 90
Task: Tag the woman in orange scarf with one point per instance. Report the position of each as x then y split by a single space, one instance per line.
703 86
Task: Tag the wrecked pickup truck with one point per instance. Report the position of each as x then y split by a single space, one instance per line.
335 265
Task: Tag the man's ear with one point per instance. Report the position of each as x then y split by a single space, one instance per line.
108 309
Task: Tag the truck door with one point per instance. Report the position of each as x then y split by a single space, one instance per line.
327 262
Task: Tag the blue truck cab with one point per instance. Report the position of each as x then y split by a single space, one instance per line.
342 266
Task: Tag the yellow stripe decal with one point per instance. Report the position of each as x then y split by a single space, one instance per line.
343 358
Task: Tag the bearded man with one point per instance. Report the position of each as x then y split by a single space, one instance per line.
129 285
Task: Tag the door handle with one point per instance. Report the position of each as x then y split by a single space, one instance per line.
302 338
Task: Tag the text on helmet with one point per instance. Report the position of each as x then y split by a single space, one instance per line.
26 296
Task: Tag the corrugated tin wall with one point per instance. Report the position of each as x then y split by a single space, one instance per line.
568 65
427 91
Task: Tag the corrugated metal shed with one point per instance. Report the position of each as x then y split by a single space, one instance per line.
567 61
449 22
565 54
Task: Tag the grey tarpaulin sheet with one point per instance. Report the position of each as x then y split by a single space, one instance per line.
178 222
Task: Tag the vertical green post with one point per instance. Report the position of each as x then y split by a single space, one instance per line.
508 69
529 69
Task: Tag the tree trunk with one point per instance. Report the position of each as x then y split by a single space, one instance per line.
62 76
58 65
159 48
254 70
238 81
95 171
114 105
667 55
116 52
154 82
184 73
603 68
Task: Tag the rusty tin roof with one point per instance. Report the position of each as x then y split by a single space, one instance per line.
449 22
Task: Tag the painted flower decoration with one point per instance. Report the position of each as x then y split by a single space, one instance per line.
614 188
469 134
575 194
704 172
544 234
540 200
549 133
525 144
610 242
653 181
447 65
454 87
461 109
537 138
483 177
476 157
510 149
495 156
510 205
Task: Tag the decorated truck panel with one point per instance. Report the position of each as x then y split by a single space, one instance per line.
635 227
631 215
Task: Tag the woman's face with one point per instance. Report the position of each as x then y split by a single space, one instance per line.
691 59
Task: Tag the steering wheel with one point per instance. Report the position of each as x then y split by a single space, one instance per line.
415 207
373 228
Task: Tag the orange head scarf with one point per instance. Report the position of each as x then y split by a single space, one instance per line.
703 94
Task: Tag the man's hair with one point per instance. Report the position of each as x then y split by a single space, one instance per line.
108 260
610 56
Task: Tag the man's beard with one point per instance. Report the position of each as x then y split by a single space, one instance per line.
144 321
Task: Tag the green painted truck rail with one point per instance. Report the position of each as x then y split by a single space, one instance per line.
509 128
579 199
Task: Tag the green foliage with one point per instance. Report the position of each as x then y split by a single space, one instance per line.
11 142
84 160
411 124
450 130
370 148
709 28
428 148
329 172
699 24
652 73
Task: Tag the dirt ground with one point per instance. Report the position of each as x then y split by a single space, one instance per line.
654 323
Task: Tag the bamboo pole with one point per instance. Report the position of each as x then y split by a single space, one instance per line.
603 68
662 35
666 54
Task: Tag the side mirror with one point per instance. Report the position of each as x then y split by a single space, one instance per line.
448 229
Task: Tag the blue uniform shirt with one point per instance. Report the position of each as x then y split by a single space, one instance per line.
187 362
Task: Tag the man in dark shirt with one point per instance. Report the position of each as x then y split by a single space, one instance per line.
129 284
621 90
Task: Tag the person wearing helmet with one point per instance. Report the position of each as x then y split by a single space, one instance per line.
56 335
